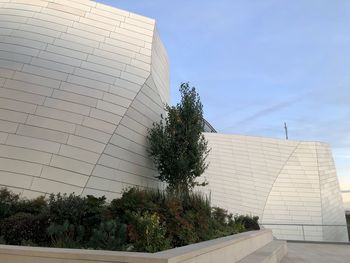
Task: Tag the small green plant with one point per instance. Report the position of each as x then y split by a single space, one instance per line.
148 234
249 222
220 215
237 228
66 235
110 235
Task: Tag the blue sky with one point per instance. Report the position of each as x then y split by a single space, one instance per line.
258 64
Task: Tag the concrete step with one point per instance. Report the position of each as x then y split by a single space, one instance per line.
273 252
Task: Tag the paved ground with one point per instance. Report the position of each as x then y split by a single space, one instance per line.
318 253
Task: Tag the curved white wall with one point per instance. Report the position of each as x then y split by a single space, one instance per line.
80 83
283 182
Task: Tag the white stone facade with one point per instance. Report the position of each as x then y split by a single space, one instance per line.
283 182
80 84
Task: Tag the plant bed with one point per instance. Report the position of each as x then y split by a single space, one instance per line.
224 250
141 220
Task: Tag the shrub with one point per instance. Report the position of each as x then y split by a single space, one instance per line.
238 228
35 206
141 220
250 223
23 229
220 216
136 200
179 230
148 234
11 203
198 213
66 235
68 208
87 212
8 201
96 210
111 235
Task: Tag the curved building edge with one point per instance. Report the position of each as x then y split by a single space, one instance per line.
80 84
291 185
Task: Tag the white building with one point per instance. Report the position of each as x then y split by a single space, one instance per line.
80 84
346 200
291 185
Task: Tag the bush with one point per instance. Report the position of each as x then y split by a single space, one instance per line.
11 203
8 201
66 235
186 215
180 230
81 212
147 233
35 206
24 229
250 223
68 208
21 220
136 200
141 220
111 235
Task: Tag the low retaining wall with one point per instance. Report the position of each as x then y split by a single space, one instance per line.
224 250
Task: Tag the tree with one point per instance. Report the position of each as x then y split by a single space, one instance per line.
177 145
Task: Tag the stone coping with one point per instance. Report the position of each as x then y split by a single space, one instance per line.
180 254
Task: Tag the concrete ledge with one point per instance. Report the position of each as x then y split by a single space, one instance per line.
273 252
223 250
319 242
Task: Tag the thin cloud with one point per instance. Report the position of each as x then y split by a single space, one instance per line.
266 111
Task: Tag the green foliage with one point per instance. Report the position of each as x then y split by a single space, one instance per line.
85 212
8 201
225 224
188 216
23 229
66 235
250 223
221 216
110 235
136 200
94 208
11 203
148 234
66 208
141 220
177 145
197 212
21 220
238 227
33 206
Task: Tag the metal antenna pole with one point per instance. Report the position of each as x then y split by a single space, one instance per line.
286 129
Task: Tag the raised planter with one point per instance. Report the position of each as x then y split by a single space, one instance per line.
224 250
